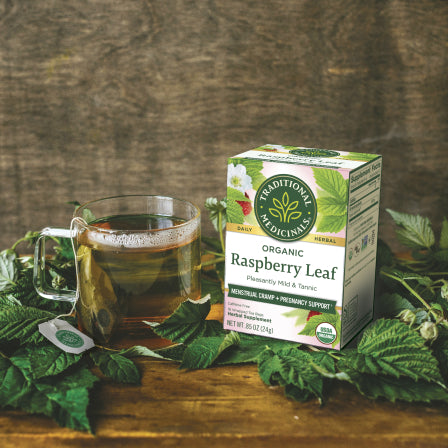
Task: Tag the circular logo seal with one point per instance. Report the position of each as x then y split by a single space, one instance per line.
326 333
285 207
69 338
314 152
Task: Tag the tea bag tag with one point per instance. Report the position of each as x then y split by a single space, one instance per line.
65 336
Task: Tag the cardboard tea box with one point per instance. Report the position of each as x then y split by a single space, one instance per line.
301 240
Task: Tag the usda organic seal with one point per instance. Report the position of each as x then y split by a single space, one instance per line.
285 207
326 333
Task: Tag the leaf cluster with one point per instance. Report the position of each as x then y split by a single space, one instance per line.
35 375
403 355
391 360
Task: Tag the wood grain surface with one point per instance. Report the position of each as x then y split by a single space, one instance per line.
229 406
105 97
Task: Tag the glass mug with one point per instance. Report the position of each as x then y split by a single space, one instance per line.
138 258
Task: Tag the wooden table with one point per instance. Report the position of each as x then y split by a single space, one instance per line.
229 407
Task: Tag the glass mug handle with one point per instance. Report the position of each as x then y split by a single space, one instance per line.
39 280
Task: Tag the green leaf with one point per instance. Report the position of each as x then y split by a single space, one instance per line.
414 231
68 398
65 398
331 224
21 323
212 242
116 366
235 213
443 244
390 348
139 350
440 351
9 300
202 352
361 157
331 201
394 389
270 366
300 314
212 288
331 207
8 269
172 353
441 257
65 249
235 195
332 182
24 293
87 214
13 385
41 361
188 323
250 348
251 219
390 305
384 255
294 369
234 210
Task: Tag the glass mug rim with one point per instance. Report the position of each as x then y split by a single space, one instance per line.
79 226
78 214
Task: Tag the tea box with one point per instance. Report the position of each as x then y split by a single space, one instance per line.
301 241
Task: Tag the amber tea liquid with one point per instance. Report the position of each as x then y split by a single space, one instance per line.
133 276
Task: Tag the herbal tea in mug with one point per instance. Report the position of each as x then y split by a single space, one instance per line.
138 260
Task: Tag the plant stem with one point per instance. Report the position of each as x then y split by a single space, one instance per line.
107 348
221 235
212 262
13 247
217 254
412 291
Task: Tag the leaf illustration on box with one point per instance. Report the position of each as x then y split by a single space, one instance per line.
331 200
359 157
234 210
300 314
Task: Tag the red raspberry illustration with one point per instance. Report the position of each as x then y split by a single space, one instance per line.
311 314
246 205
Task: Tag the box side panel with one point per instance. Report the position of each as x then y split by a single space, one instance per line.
361 247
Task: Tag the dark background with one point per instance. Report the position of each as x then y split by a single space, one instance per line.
106 97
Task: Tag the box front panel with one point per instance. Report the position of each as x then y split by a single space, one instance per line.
282 290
